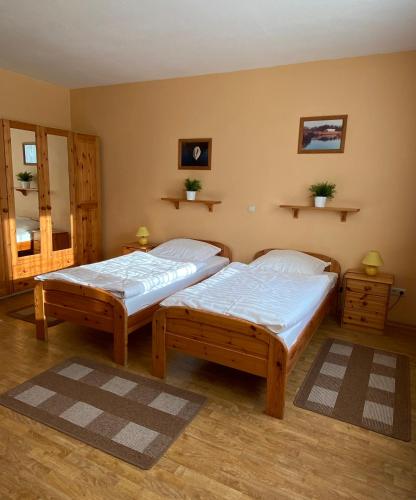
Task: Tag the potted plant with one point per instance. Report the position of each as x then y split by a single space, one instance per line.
25 179
321 192
192 186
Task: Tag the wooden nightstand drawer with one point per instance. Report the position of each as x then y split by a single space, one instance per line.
367 287
361 302
364 319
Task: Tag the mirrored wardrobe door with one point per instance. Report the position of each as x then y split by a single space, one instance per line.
25 173
25 223
60 191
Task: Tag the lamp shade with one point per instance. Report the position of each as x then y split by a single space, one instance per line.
142 232
373 258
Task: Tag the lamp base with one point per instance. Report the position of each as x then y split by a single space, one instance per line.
371 270
143 240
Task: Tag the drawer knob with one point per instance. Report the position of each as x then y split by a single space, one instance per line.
367 288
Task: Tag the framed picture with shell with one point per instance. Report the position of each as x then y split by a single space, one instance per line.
194 154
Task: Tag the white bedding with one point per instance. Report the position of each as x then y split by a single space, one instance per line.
24 229
278 301
205 269
127 276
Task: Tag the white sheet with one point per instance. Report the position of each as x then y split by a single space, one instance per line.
277 301
205 270
127 276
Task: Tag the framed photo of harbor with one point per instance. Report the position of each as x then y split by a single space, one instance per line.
322 134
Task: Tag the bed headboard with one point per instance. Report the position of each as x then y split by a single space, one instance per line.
225 250
334 266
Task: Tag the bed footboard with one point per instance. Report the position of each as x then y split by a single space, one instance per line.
228 341
83 305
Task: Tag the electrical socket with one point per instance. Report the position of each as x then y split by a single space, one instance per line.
398 291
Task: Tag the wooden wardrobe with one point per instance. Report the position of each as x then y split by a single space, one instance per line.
55 221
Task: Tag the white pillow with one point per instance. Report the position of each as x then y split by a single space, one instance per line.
290 261
185 250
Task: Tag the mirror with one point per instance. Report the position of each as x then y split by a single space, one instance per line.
59 191
26 194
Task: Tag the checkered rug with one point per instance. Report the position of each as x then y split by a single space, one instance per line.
129 416
27 313
361 386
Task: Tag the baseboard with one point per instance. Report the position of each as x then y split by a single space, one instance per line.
402 326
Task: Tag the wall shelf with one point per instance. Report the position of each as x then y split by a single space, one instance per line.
25 191
177 201
343 212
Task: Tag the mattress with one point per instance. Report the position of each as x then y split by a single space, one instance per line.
204 270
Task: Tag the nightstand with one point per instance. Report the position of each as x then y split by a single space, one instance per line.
135 246
366 300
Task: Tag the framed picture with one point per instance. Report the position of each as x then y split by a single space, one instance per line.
194 154
322 134
29 153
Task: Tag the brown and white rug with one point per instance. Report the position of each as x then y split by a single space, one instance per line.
360 385
129 416
28 314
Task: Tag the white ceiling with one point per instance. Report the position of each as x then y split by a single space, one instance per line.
79 43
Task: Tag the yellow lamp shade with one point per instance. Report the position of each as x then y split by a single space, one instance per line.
143 234
371 262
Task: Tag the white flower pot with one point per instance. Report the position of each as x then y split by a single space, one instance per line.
190 195
320 201
25 184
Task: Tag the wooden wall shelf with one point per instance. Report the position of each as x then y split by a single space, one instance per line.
25 191
343 212
177 201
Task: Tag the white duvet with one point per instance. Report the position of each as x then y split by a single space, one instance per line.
262 296
127 276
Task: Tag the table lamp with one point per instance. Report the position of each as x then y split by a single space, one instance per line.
143 235
372 261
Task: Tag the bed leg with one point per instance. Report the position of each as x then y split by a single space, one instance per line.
159 344
276 379
41 322
120 336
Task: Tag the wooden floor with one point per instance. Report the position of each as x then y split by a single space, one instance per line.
231 450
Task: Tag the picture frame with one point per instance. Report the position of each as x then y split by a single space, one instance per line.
29 153
194 154
322 134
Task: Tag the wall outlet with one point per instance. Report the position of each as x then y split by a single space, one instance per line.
252 209
397 291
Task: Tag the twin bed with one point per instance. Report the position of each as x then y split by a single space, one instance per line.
257 318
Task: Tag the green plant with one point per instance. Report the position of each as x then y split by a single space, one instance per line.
323 189
193 185
25 176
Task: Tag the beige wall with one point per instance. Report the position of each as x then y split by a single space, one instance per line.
253 118
33 101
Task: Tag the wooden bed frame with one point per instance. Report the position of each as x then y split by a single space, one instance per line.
95 308
237 343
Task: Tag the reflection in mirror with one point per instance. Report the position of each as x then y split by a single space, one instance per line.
26 199
59 189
